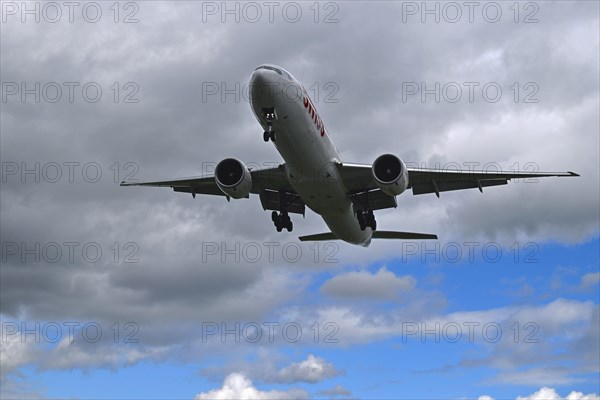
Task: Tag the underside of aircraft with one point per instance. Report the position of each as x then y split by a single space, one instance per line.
314 175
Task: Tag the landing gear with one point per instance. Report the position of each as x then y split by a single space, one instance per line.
366 218
269 116
269 135
282 220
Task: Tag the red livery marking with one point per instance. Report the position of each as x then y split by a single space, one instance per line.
312 111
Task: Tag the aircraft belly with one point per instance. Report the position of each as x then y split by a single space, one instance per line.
323 198
310 168
346 228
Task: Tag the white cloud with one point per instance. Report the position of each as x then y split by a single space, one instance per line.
237 386
485 397
382 284
591 279
15 352
311 370
547 393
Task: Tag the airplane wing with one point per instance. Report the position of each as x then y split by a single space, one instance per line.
273 179
358 179
194 185
270 184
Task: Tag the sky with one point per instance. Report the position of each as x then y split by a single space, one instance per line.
125 292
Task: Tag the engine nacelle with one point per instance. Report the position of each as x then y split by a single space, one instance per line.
233 178
390 174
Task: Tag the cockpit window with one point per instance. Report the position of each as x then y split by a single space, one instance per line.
269 68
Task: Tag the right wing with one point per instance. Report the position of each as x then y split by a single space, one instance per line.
423 180
358 178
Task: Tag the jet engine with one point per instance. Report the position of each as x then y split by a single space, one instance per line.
233 178
390 174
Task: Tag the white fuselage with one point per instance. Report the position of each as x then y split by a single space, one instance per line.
304 143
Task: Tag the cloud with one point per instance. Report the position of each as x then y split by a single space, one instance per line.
590 279
15 352
173 131
383 284
538 376
337 390
547 393
311 370
265 369
237 386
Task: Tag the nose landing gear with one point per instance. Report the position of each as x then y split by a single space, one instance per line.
269 134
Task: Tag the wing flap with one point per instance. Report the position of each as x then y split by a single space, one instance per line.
271 200
198 189
446 186
373 200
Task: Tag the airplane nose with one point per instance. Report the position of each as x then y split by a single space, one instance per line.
262 85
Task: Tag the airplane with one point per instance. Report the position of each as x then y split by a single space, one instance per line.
313 175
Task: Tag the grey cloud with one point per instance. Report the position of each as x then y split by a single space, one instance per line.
337 390
171 131
383 284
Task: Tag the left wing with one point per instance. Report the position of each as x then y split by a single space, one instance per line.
358 178
262 179
271 184
193 185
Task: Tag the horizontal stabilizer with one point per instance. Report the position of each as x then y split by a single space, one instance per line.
318 237
402 235
376 235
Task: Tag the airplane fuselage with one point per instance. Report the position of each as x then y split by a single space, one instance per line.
309 154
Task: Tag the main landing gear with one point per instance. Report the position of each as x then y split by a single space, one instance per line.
366 218
282 220
269 134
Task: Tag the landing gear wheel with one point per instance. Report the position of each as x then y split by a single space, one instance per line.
360 215
366 218
371 220
282 220
269 134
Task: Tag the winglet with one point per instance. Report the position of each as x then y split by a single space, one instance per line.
124 183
